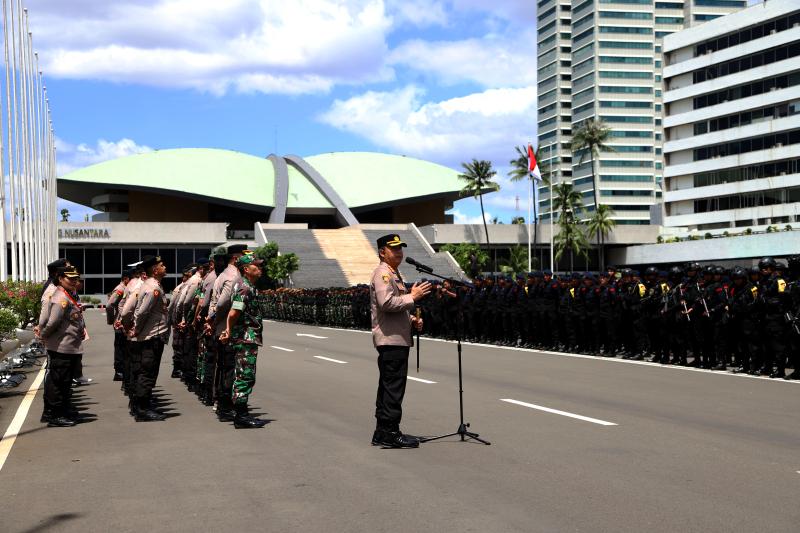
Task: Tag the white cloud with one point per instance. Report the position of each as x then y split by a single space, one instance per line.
491 61
516 11
421 13
462 218
483 125
73 157
276 46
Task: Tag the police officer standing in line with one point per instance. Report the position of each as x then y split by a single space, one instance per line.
112 314
47 293
177 340
392 324
149 333
63 334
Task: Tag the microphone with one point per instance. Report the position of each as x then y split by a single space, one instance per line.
419 266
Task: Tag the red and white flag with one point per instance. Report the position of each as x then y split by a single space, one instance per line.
533 166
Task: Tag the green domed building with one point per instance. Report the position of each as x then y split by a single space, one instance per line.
330 190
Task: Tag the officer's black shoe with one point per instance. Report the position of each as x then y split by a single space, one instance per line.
721 366
395 439
176 373
148 415
60 422
47 414
793 375
636 357
225 415
766 371
377 437
656 359
778 374
117 376
192 387
242 421
696 363
741 370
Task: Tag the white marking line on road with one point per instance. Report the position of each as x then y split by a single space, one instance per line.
13 430
284 349
331 360
563 413
312 336
421 380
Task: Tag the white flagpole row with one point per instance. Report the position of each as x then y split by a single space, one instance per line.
27 157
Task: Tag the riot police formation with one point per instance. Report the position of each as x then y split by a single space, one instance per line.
741 319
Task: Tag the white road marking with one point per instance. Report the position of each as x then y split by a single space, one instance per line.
312 336
331 360
421 380
563 413
284 349
13 430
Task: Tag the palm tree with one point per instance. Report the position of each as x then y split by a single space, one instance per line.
519 172
600 224
517 261
590 137
568 203
478 176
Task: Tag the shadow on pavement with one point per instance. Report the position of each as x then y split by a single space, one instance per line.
52 522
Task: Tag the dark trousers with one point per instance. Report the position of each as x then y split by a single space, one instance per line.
550 320
590 333
226 370
608 334
476 323
62 370
190 356
654 333
177 348
135 353
775 352
210 362
393 368
150 352
747 344
219 367
720 341
119 351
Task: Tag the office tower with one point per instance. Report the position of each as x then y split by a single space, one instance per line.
732 121
601 59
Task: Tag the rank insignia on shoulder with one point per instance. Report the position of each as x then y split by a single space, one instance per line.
63 304
155 293
385 278
77 315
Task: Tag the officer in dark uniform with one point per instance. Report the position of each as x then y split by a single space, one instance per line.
717 301
549 310
521 325
742 307
492 291
607 315
565 313
632 293
592 300
477 309
676 319
652 309
577 291
693 297
774 326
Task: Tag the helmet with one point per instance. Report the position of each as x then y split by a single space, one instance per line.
691 265
779 266
738 273
651 271
675 273
626 272
719 271
766 262
754 270
708 270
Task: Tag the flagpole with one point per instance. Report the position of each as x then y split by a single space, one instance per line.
530 266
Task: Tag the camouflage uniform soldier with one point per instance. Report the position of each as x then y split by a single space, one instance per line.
244 329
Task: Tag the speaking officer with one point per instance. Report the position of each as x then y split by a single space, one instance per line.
63 336
390 303
244 332
150 332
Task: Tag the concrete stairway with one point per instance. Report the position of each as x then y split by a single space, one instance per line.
316 270
351 249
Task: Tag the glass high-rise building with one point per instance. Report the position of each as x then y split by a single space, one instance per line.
601 59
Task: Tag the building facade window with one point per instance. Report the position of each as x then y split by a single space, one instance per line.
616 103
626 59
612 118
626 193
625 74
624 163
625 29
746 63
625 44
747 90
699 16
623 89
747 35
624 177
669 20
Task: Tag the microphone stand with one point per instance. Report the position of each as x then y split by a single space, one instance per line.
462 427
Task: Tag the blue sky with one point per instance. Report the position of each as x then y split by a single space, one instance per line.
445 81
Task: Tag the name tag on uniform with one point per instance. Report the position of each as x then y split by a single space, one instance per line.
237 306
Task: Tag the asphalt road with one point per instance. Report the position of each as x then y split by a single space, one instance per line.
688 450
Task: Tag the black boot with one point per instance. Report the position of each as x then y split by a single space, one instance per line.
393 438
47 414
117 376
242 421
145 414
225 411
176 372
58 419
